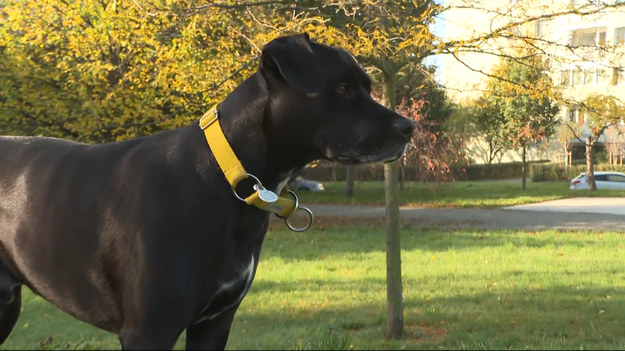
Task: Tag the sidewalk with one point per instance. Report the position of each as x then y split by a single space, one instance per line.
608 205
529 217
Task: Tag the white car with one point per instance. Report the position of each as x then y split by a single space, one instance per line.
604 180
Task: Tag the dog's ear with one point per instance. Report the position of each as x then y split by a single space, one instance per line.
292 59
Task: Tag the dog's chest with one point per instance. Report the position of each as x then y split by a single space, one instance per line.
229 292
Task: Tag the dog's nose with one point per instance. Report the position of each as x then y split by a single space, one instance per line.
404 127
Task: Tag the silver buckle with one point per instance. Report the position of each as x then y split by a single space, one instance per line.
204 126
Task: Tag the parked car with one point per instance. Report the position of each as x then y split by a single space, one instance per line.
299 183
604 180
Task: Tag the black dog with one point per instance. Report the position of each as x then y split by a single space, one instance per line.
145 238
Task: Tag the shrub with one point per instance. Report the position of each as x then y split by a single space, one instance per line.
558 172
493 171
325 171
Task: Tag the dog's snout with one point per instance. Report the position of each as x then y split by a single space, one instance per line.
404 127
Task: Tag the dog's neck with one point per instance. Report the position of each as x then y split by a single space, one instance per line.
243 118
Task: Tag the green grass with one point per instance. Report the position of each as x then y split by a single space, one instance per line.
475 194
465 289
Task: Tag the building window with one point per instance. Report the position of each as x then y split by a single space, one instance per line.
581 38
571 116
601 36
589 37
541 28
592 75
565 78
619 36
577 77
619 76
589 76
602 76
574 116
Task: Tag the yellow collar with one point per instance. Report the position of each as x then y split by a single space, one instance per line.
264 199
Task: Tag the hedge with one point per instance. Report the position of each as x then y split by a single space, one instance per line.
506 170
326 171
558 172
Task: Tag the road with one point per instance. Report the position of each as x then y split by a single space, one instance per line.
574 213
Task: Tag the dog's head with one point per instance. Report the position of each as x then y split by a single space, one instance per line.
336 117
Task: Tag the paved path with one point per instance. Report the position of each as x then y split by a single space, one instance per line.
576 213
609 205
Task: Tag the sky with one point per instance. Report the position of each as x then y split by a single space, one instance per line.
438 28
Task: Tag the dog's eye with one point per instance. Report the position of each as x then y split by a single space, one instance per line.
345 91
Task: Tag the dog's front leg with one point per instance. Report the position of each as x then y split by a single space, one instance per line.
149 338
211 334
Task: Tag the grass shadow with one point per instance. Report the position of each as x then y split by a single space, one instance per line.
558 317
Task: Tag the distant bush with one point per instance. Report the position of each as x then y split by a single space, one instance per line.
325 171
558 172
506 170
554 172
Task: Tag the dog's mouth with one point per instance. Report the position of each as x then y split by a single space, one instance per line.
398 156
353 157
346 160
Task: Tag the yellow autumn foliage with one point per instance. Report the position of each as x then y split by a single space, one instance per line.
109 70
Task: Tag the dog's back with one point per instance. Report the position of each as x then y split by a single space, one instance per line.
47 226
63 202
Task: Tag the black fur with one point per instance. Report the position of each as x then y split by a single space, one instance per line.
144 237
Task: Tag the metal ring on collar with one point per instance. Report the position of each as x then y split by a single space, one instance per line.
258 184
311 216
294 208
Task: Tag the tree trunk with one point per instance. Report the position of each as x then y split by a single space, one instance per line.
491 152
349 181
402 170
395 313
590 172
395 303
524 168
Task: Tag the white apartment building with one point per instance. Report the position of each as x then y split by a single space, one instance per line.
583 39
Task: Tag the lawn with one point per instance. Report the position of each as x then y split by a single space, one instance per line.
475 194
463 289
